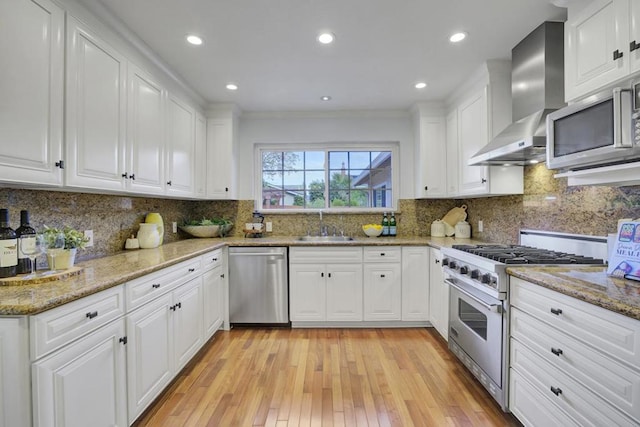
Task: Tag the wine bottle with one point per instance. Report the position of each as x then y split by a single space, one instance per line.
25 229
393 229
8 246
385 224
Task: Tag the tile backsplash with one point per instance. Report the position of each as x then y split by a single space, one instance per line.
548 204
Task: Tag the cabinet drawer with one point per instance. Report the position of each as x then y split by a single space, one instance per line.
616 335
532 408
54 328
325 255
383 254
572 397
212 259
608 378
150 286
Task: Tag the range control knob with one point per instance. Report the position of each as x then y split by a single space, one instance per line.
445 261
464 269
486 278
453 265
475 274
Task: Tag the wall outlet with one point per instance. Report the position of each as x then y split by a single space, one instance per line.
480 226
174 227
89 235
269 226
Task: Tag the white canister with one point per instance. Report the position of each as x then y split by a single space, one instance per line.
463 230
437 228
148 236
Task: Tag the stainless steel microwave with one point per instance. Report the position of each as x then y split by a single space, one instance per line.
599 130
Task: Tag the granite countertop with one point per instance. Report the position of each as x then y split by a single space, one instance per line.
102 273
590 284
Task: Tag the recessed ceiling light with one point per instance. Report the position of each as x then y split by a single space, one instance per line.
325 98
326 38
457 37
193 39
420 85
232 86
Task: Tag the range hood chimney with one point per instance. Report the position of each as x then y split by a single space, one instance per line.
537 89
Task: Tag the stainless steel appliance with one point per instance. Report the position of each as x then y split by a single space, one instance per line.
599 130
479 303
258 285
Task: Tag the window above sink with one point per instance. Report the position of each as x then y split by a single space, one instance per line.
335 177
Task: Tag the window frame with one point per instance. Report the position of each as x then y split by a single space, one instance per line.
392 146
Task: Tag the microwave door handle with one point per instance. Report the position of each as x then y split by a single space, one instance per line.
622 118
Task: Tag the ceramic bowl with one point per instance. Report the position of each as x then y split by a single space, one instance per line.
372 231
201 230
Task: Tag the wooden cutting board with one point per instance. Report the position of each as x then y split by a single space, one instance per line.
455 215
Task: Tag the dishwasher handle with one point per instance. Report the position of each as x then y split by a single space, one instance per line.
267 254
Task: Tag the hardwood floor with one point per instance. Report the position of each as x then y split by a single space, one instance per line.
325 377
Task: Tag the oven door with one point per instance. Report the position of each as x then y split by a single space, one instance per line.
475 324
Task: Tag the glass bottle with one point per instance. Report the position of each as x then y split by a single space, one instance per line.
25 229
393 229
385 224
8 246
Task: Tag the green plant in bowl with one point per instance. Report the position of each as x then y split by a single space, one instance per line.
73 239
207 227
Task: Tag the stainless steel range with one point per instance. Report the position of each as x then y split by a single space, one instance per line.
479 290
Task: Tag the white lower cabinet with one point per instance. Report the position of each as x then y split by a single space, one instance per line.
344 292
84 383
571 363
15 399
415 283
213 292
382 283
163 335
438 294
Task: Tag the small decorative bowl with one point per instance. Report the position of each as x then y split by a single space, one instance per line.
372 231
201 230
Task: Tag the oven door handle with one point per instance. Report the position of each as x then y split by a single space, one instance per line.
494 308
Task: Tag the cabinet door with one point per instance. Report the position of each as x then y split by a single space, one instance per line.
31 84
146 131
221 179
83 384
201 157
452 153
187 322
382 291
149 353
213 296
439 295
431 158
15 387
591 38
344 292
180 148
307 292
96 111
472 136
415 283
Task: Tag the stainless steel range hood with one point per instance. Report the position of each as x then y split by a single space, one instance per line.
537 89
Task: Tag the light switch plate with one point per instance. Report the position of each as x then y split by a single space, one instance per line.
269 226
174 227
89 235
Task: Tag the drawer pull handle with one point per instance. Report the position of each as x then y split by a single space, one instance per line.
156 286
556 311
214 259
382 275
555 390
92 314
381 253
556 351
191 270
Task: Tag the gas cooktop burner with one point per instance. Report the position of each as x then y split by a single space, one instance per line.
517 254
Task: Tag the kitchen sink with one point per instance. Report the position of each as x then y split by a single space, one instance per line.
325 238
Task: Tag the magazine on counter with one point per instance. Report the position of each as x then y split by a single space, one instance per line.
624 259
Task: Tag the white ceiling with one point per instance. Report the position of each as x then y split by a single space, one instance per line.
382 47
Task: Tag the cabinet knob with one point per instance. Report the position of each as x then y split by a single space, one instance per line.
483 180
437 261
556 311
169 183
60 164
382 253
222 275
321 274
125 175
133 176
123 340
556 351
633 46
172 308
214 259
92 314
329 274
617 55
226 188
179 305
191 270
156 286
555 390
426 187
382 275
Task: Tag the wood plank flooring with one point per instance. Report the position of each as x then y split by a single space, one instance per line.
325 377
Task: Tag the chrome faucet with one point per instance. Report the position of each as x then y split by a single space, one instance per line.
324 231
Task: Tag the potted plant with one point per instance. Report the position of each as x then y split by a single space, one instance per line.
62 245
206 227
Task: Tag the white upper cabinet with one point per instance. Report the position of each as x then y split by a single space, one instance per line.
31 84
201 157
602 41
482 108
180 148
222 128
144 171
96 111
452 153
430 154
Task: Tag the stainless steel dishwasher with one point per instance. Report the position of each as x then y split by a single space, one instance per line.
258 285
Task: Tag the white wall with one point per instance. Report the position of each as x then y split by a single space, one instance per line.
321 128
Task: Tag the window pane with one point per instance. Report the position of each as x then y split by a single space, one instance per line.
293 160
359 160
360 179
339 180
294 180
271 160
359 198
292 199
381 178
271 198
314 180
272 179
338 159
315 199
314 160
